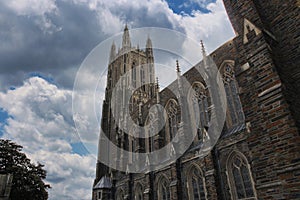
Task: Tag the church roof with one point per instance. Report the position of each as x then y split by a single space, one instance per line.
103 183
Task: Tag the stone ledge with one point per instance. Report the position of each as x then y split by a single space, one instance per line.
268 185
269 90
288 169
210 172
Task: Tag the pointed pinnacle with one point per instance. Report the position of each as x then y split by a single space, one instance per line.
203 48
113 46
177 66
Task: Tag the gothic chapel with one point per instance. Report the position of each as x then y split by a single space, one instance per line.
257 155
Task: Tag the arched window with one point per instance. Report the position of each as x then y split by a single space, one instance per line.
125 61
163 189
239 177
196 184
134 144
172 111
131 149
235 114
138 194
120 195
199 108
133 74
142 75
150 132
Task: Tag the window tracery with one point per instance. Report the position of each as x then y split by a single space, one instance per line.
196 184
235 115
150 131
120 195
133 75
142 75
172 112
240 179
163 189
138 192
200 108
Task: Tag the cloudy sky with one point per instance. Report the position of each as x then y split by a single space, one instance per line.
43 43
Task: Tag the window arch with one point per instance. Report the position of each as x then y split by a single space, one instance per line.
163 192
198 98
150 132
134 143
196 184
133 74
120 195
234 115
138 194
142 75
172 112
239 177
131 144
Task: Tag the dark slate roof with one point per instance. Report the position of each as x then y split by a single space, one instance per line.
103 183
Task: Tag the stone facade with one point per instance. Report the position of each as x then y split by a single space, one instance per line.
258 153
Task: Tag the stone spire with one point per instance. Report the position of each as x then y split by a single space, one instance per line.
126 38
150 67
149 50
112 52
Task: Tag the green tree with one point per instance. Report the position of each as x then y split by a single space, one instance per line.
28 177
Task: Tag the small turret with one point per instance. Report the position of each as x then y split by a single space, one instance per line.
102 189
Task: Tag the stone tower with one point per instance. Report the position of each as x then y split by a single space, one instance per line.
129 68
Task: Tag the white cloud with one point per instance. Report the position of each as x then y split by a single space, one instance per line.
112 15
42 123
38 9
32 7
110 23
77 174
70 175
213 28
41 109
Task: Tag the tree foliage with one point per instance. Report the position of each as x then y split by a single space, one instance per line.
28 177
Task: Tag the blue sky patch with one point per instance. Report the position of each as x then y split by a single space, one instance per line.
183 7
79 148
3 117
41 75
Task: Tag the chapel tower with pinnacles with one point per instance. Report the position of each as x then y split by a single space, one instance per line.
257 155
